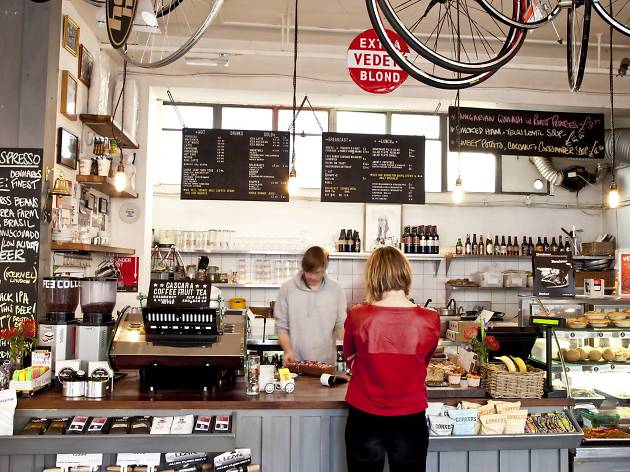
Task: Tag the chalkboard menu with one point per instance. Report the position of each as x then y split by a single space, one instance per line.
372 168
527 133
178 294
20 188
223 164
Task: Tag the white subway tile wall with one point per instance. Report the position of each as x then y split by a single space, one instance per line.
350 274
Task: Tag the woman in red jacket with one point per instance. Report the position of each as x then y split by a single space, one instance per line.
388 343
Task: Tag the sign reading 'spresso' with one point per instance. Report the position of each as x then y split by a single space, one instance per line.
119 19
20 187
527 133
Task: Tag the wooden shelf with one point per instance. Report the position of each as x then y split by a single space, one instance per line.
78 247
103 124
101 184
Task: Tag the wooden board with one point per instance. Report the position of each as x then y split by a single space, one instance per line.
101 184
103 126
78 247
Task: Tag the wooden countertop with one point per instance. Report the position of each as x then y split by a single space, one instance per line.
309 394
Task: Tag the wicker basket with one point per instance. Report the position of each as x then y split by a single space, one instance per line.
598 249
500 383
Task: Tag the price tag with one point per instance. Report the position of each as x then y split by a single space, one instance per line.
577 334
149 459
603 368
65 461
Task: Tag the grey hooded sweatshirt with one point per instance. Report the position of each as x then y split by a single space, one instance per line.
311 316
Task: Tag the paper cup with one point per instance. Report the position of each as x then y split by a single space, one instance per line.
474 381
454 379
103 167
85 166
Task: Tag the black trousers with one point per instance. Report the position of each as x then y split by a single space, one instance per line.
404 439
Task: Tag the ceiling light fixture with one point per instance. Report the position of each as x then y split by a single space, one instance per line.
538 184
458 193
613 195
120 179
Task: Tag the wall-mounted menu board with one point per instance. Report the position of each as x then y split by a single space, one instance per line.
223 164
372 168
20 189
528 133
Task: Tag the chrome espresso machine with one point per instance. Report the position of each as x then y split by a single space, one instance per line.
182 339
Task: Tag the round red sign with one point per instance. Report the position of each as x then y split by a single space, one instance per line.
371 67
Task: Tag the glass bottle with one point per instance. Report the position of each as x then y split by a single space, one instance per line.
356 239
406 240
489 246
342 241
482 245
415 240
436 241
554 245
524 247
459 247
503 248
560 244
474 247
428 240
497 246
468 247
539 245
422 248
508 251
532 248
349 244
546 246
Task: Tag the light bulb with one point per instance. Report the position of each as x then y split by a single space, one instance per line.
120 179
292 185
613 195
458 193
147 13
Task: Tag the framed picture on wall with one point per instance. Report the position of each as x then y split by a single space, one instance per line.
103 206
382 226
68 102
91 202
70 40
67 148
86 64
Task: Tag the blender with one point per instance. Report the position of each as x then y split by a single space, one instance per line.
57 331
94 331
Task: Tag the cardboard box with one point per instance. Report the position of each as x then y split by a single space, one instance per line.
457 336
458 325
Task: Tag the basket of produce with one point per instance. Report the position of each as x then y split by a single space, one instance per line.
512 379
598 249
314 368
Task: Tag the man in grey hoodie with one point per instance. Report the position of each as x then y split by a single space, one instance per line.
310 312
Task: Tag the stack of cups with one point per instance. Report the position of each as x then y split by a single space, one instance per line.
267 373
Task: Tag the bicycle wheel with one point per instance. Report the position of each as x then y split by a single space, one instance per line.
444 79
430 26
174 27
620 20
536 14
578 28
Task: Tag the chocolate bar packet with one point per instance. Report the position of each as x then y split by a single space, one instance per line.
78 425
140 425
36 426
57 426
203 424
99 425
120 425
222 424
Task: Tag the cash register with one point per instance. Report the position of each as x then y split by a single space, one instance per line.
181 339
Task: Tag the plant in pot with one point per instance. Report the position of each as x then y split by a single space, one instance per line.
481 344
22 339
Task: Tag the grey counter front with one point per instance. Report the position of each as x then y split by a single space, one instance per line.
301 432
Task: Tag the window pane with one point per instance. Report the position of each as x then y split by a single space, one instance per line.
169 169
305 122
433 166
308 161
361 122
247 118
477 171
420 125
194 116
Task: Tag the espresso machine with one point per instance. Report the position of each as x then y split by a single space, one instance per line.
57 330
95 329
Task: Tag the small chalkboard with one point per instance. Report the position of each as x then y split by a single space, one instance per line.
553 274
527 133
20 207
372 168
219 164
178 294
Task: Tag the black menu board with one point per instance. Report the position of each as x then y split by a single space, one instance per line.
20 189
223 164
372 168
178 294
528 133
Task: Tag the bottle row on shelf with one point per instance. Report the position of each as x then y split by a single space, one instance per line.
423 239
349 241
485 246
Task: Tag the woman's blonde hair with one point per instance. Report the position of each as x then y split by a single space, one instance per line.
387 269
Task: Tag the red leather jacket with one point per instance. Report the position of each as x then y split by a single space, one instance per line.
392 348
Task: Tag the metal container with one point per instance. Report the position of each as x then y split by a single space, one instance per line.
97 388
73 388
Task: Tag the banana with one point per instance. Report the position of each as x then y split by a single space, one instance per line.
522 367
508 363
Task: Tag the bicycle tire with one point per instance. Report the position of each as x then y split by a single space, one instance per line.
421 75
164 13
497 14
451 63
577 43
615 21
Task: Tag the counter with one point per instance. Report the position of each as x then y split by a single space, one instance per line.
301 432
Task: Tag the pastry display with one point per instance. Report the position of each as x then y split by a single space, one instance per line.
462 283
311 368
606 433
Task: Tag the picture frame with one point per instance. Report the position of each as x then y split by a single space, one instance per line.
103 206
90 203
86 65
69 90
71 32
67 148
382 226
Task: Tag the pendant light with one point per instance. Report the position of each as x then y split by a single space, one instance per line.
120 178
613 190
292 184
458 193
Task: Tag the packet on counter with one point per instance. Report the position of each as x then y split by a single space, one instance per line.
465 421
493 424
515 423
505 407
8 402
35 426
183 424
434 409
440 425
161 424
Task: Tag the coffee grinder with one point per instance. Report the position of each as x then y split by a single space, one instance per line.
94 331
57 331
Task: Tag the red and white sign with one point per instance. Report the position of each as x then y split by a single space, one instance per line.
623 273
128 280
371 66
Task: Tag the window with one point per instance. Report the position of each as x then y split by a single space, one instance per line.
478 171
361 122
429 127
308 144
247 118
